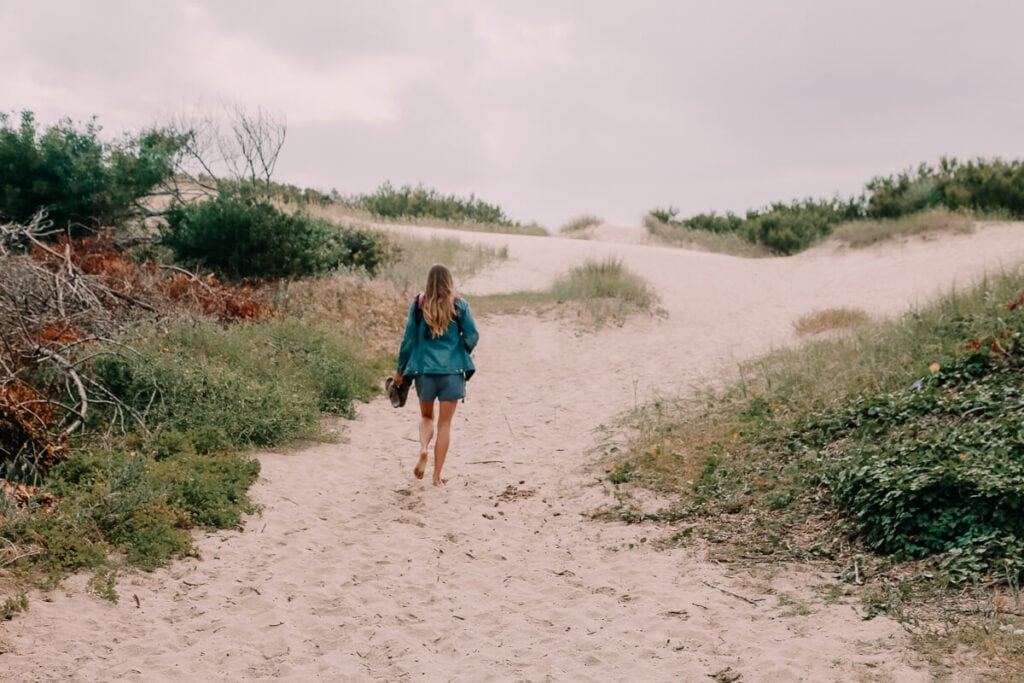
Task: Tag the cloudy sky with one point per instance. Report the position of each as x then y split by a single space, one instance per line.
551 109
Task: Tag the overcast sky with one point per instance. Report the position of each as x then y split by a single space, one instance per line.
550 109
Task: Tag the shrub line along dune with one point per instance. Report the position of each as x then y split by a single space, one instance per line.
947 197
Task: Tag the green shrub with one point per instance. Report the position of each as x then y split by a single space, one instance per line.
938 466
77 178
261 384
244 237
982 185
67 544
210 489
712 222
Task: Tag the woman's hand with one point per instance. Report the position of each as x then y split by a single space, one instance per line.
398 379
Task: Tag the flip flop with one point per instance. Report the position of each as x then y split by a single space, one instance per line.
397 394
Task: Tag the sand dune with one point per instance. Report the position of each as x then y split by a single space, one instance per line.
355 571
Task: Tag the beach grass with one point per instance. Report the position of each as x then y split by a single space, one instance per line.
863 233
830 319
595 292
580 223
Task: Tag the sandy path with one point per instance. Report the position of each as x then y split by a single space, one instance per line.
355 571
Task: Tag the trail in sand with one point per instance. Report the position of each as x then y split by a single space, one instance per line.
357 571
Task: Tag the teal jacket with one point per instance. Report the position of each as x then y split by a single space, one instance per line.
423 354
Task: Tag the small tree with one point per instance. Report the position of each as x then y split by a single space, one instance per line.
234 152
79 180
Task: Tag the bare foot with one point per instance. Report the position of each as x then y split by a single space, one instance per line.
438 481
421 466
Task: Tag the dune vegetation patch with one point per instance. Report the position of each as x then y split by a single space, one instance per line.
368 309
423 206
141 363
578 225
596 293
945 197
936 221
829 320
892 453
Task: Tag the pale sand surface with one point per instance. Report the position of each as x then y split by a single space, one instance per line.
356 571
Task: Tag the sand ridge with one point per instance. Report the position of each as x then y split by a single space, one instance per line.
356 571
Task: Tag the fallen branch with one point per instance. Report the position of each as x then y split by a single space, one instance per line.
730 593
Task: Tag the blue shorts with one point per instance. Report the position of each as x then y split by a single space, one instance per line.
450 387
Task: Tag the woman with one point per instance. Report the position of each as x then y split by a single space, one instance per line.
439 336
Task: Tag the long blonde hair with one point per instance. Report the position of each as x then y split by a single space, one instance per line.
438 300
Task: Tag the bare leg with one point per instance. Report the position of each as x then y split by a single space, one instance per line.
444 432
426 433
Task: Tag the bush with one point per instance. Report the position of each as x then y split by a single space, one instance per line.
79 180
246 237
983 185
126 501
210 489
920 478
260 383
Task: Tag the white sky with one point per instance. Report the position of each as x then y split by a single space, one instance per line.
550 109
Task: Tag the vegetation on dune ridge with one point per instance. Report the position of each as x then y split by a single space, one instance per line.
421 205
930 198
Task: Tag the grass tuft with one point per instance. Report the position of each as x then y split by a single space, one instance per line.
829 320
597 292
607 279
579 224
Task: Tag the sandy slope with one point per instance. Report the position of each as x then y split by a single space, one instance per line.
355 571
